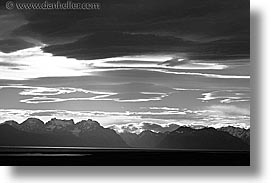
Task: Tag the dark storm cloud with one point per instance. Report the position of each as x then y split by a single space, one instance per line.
10 45
212 29
113 44
9 23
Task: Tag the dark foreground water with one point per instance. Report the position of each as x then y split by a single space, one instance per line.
120 156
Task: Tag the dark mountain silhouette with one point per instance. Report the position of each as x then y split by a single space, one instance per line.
32 125
89 133
205 138
150 139
59 126
58 132
241 133
146 138
92 133
130 138
12 123
10 136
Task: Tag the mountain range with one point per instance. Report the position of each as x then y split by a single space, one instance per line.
205 138
241 133
146 139
89 133
58 132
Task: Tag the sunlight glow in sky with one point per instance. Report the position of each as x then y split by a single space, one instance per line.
128 65
33 63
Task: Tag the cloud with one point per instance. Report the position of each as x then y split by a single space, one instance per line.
124 44
182 63
100 96
115 44
227 96
34 63
126 93
203 31
220 76
165 108
187 89
230 110
172 64
139 97
11 45
139 127
10 22
45 91
174 72
8 42
131 54
10 65
160 128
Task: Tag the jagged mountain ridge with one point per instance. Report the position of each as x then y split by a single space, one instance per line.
54 125
135 140
205 138
146 138
241 133
10 136
61 132
91 133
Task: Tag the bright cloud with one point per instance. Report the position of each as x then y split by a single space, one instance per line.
226 96
34 63
230 110
140 127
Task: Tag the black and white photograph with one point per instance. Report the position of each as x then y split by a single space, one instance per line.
125 82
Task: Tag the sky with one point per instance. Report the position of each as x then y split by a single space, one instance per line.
129 65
